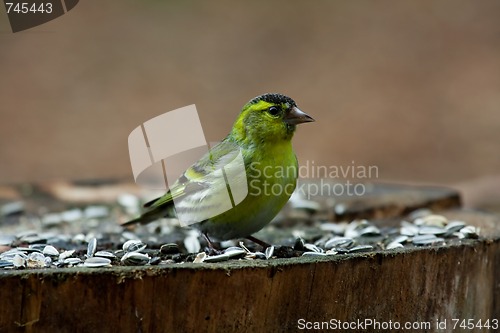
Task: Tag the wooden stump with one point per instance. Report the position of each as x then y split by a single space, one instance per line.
420 285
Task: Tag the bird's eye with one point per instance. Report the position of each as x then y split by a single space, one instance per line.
273 111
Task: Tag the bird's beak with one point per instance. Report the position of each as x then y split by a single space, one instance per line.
296 116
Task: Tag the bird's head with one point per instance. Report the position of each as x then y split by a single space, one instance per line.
268 118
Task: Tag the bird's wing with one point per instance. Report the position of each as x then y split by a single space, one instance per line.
201 192
212 184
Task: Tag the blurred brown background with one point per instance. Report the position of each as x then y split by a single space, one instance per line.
412 87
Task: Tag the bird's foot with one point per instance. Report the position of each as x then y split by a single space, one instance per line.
211 250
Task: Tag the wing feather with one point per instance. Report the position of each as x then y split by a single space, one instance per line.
200 193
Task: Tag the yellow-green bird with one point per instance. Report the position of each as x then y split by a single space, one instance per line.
261 136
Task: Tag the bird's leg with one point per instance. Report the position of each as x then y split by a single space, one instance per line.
211 248
258 241
208 240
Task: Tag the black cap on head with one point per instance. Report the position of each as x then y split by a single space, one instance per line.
274 98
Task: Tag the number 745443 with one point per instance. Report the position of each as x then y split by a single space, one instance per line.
27 7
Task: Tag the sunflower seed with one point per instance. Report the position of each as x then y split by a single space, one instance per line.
128 235
370 230
48 261
469 232
18 261
399 239
235 252
299 244
432 220
10 254
35 260
170 248
66 254
352 230
72 215
408 229
155 261
419 213
95 262
454 226
259 255
361 248
200 257
6 264
393 245
96 212
133 246
12 208
91 247
105 254
36 247
313 254
49 250
33 239
135 259
217 258
234 248
313 248
79 238
269 252
72 261
30 249
339 242
52 219
431 230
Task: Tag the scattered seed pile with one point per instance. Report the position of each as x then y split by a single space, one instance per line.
166 244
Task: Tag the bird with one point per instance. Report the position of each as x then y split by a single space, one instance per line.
261 137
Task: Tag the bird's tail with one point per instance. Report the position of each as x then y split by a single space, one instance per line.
134 221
